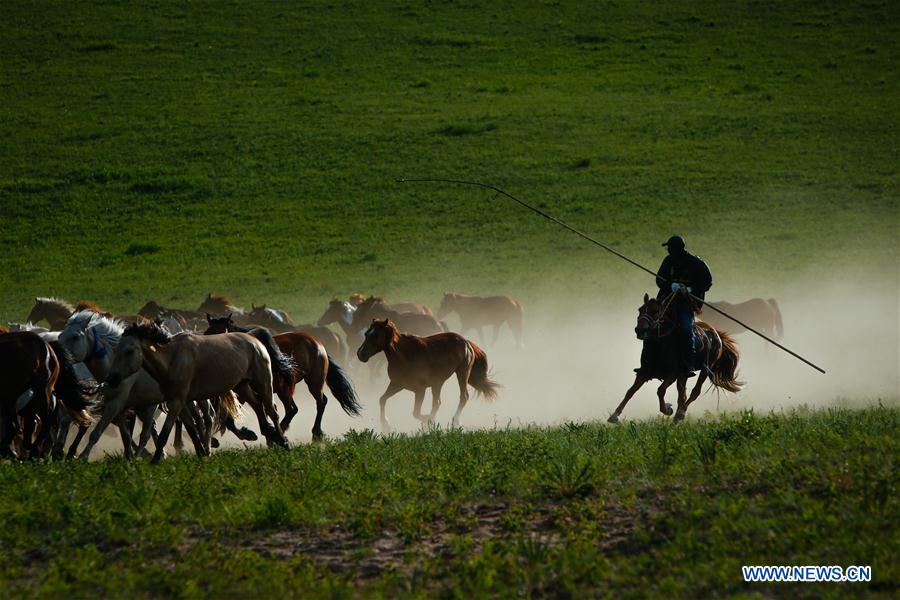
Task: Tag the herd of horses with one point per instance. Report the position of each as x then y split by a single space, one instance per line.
91 368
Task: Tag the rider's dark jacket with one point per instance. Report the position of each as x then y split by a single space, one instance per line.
687 269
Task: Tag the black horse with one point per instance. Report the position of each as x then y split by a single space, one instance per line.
660 359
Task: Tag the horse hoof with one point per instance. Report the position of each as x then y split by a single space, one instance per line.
248 435
679 417
667 410
214 442
613 418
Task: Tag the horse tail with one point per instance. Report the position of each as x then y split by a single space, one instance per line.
479 378
283 366
342 389
79 398
723 372
227 406
779 324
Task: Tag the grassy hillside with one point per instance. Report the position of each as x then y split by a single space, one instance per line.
166 149
640 510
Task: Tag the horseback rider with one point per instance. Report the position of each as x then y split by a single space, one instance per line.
685 275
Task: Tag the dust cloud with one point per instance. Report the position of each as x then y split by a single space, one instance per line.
578 361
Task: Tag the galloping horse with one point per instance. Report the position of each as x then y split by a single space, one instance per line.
476 312
756 312
194 367
311 363
53 310
660 359
218 304
413 307
152 310
271 318
408 322
341 312
30 373
417 363
28 363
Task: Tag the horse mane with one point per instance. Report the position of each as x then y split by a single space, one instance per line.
219 299
148 330
106 328
356 298
88 305
55 301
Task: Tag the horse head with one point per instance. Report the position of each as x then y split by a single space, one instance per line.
448 305
650 317
377 338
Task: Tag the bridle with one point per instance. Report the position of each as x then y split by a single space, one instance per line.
657 323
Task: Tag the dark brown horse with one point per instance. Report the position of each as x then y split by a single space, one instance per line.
418 363
152 309
760 314
407 322
311 364
333 343
27 364
476 312
660 359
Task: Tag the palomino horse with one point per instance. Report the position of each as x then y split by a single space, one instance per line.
312 364
190 368
417 363
660 359
356 299
413 323
476 312
53 310
760 314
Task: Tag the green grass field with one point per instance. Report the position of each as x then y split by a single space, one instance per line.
165 149
171 149
641 510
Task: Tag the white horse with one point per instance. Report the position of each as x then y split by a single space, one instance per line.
92 338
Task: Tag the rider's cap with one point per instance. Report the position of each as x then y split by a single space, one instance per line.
675 240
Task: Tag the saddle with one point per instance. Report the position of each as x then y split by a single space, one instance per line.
708 348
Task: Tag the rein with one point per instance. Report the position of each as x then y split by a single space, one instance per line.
658 321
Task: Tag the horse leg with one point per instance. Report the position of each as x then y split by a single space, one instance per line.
286 395
639 380
392 389
175 406
417 406
79 435
110 411
148 428
245 394
496 333
695 393
462 376
242 433
262 387
178 444
126 432
315 383
664 407
435 400
193 422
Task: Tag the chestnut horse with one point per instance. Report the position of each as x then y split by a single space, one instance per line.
311 364
760 314
417 363
408 322
477 312
660 359
53 310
